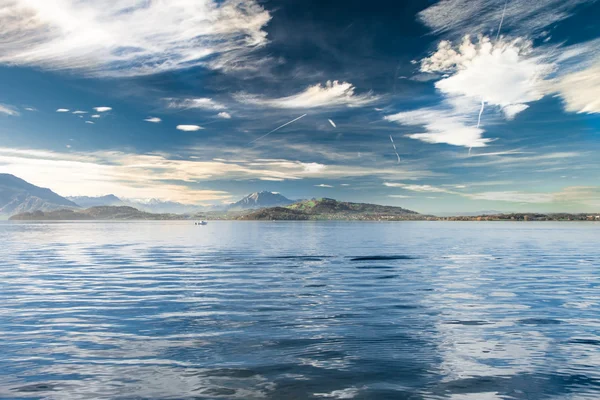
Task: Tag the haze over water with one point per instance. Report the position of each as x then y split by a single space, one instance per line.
249 310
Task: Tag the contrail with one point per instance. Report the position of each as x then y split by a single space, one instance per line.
497 36
501 20
395 151
332 123
480 112
479 119
278 128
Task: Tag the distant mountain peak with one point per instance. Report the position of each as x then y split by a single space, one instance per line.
261 200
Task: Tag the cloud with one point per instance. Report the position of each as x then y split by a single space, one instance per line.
8 110
510 111
459 17
89 122
80 112
417 188
204 103
322 185
189 128
272 179
501 77
580 90
154 120
399 196
444 126
568 197
224 115
62 110
502 74
95 116
127 37
30 109
102 109
513 196
162 176
332 94
515 159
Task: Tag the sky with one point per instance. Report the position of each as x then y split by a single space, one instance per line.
444 106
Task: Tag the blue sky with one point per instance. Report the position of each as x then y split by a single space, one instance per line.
492 105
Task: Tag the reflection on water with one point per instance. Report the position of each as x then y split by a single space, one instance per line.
421 310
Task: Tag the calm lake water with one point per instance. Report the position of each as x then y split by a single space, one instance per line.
302 310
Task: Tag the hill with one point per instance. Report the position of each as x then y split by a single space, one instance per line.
330 209
19 196
94 213
260 200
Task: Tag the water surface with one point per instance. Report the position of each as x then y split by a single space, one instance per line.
299 310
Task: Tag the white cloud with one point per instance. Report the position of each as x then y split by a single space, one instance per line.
459 17
510 111
204 103
224 115
154 120
568 197
102 109
514 159
62 110
444 126
80 112
513 196
158 175
129 37
417 188
504 76
30 109
266 178
8 110
580 90
95 116
189 128
322 185
399 196
332 94
89 122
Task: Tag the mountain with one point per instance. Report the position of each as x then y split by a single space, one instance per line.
18 196
150 205
330 209
86 201
159 206
94 213
260 200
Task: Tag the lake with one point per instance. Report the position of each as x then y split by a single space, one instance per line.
300 310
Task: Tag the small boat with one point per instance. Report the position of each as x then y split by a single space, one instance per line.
201 223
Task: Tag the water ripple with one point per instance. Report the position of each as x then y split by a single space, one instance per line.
162 310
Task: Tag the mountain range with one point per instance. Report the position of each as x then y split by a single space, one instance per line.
21 200
18 196
150 205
